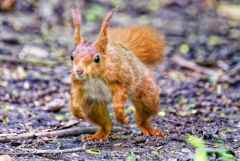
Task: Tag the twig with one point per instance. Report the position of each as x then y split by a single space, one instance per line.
58 133
224 66
193 66
40 151
47 91
209 72
35 62
181 123
175 122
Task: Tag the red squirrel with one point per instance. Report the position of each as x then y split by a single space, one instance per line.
111 68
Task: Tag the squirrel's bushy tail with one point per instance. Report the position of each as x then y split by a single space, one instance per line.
145 42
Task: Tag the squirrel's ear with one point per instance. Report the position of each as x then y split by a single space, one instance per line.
101 42
76 18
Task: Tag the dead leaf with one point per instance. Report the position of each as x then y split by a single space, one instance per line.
7 5
230 11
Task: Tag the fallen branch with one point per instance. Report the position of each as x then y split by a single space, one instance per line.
176 122
35 62
40 151
47 91
224 78
58 133
193 66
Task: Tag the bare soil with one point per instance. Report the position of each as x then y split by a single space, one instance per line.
36 41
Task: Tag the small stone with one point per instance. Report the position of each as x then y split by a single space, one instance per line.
55 105
6 158
185 150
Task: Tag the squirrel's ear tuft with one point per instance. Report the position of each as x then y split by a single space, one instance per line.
76 18
101 42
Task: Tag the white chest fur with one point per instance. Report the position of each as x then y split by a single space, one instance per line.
96 89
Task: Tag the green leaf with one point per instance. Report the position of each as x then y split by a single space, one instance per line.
154 5
6 108
144 20
116 3
201 150
213 40
93 151
15 92
182 101
131 156
94 13
184 48
178 75
21 72
198 143
129 110
161 113
191 106
60 117
156 153
225 155
214 79
200 155
195 141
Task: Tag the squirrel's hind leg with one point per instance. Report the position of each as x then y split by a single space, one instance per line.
147 102
97 113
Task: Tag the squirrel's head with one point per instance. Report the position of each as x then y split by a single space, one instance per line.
89 58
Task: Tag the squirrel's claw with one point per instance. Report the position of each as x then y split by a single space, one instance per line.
153 132
95 138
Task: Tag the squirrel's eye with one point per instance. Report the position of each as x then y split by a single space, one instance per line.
97 59
72 57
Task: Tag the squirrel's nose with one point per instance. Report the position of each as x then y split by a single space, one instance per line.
79 72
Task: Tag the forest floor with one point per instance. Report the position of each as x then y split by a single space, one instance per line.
199 81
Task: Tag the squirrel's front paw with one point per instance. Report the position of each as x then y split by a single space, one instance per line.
122 118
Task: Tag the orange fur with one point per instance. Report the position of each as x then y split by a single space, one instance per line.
145 42
112 65
76 17
102 39
7 5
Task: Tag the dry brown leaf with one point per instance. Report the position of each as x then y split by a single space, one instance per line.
7 5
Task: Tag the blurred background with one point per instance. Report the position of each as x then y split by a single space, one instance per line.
202 67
